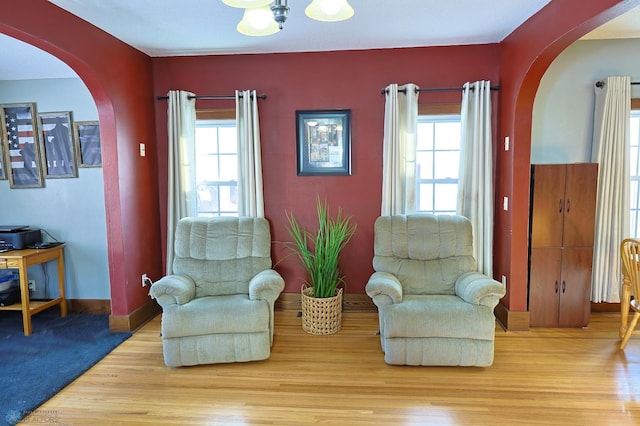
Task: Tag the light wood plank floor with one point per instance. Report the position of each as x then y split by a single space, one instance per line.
540 377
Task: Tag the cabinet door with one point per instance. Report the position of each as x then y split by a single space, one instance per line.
548 205
575 287
580 205
544 286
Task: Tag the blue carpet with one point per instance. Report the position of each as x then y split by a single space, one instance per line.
34 368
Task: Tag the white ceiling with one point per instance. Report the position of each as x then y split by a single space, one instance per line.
624 26
207 27
196 27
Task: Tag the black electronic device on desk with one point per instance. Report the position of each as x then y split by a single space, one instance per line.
49 244
17 237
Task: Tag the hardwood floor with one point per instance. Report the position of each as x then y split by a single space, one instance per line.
539 377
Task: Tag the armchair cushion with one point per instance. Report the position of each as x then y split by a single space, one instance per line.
425 252
438 316
384 288
266 285
172 289
479 289
222 255
195 319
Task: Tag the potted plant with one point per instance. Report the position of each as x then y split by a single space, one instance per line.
319 253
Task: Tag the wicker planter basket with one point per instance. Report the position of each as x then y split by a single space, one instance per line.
321 315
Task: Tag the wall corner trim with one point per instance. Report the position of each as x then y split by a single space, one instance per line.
135 319
510 320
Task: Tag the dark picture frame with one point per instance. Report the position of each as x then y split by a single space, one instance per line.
21 145
88 143
59 144
3 167
323 142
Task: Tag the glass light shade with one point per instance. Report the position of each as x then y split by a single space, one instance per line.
246 4
258 22
329 10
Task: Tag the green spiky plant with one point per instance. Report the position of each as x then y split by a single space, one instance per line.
319 252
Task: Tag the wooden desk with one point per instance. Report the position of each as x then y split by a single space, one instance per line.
21 260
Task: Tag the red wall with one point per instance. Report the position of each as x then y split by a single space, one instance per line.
119 80
326 80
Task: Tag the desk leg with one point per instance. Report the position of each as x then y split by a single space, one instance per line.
63 301
24 294
625 301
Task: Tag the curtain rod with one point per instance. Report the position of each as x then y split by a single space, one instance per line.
601 83
262 96
438 89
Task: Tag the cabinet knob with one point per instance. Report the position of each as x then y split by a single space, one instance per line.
556 286
560 206
564 286
568 205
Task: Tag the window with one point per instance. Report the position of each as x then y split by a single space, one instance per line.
437 163
216 168
634 154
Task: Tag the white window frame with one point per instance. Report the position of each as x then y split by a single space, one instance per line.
217 123
434 182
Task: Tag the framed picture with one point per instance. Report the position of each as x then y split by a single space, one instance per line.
89 149
59 147
3 175
21 145
323 142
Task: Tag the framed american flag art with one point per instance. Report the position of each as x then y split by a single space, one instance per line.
21 145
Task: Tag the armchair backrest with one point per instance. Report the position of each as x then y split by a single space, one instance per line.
222 254
426 252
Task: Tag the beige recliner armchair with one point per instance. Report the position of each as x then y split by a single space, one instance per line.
218 304
434 307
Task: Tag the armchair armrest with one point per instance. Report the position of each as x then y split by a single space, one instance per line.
266 285
384 288
173 289
479 289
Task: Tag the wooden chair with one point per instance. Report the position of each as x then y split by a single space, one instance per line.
630 253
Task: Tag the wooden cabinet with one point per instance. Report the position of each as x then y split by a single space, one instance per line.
562 220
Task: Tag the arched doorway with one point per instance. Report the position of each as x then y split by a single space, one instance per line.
123 95
50 85
526 55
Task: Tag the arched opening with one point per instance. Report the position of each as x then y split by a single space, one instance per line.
69 208
124 99
527 53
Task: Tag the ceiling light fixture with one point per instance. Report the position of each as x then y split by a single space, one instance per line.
246 4
280 11
260 19
329 10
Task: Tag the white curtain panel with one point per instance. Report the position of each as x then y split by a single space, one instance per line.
250 189
181 114
399 150
610 150
475 184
